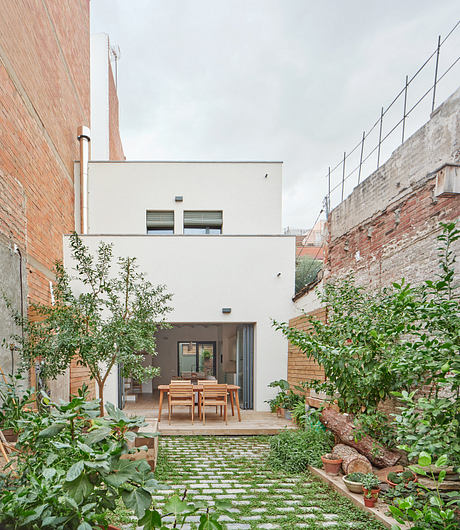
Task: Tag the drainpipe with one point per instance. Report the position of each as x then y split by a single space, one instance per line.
84 139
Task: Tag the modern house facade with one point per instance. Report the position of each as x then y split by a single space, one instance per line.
211 232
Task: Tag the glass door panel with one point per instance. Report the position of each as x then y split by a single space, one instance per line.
196 360
187 359
206 359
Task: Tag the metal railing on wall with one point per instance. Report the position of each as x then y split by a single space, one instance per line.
372 140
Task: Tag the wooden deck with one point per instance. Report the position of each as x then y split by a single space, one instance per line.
252 423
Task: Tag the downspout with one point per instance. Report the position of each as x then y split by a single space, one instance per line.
84 139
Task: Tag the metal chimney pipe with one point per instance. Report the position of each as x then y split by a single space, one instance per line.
83 135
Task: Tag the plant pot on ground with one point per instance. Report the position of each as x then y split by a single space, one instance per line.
331 465
354 482
371 488
402 477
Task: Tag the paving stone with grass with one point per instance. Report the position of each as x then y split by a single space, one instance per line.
235 468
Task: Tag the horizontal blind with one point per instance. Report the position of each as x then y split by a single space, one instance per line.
211 219
160 219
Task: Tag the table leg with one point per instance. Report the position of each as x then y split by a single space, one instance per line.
199 404
237 399
231 403
160 403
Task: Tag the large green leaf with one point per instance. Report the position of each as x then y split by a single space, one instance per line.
125 471
137 500
52 430
79 488
175 505
97 435
75 471
151 520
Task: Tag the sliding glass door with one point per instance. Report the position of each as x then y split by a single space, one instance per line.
245 364
196 359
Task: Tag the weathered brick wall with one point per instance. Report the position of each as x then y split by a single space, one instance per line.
44 97
300 366
78 376
115 145
386 229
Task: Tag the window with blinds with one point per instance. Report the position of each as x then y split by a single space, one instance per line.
160 222
203 222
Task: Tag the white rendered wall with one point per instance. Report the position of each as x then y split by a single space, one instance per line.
121 192
207 273
99 83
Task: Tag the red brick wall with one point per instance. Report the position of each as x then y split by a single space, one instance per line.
398 242
300 366
115 146
78 376
44 97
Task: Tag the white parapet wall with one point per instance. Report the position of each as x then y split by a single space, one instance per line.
252 275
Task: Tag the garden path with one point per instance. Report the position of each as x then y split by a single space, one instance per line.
235 468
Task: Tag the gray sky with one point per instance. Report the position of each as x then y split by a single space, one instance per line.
291 80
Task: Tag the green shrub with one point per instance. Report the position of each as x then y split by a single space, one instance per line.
293 450
356 477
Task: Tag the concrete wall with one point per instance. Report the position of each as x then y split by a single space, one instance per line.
207 273
386 229
120 194
44 97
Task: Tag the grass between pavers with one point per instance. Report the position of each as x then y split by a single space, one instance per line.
236 468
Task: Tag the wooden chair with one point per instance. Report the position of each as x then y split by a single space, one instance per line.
180 394
214 395
202 382
180 381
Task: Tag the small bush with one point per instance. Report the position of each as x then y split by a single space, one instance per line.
293 450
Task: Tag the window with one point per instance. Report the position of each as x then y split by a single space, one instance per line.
160 222
209 222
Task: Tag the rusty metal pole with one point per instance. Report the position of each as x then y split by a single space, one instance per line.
405 107
436 72
380 138
361 156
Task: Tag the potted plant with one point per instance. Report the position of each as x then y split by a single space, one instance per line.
354 482
15 407
331 465
400 477
370 489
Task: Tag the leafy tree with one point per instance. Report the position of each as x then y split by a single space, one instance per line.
113 321
306 271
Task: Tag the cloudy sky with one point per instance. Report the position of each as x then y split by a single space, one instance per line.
290 80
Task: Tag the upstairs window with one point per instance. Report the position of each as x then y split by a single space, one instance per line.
199 222
160 222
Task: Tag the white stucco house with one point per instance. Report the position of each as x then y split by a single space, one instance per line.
210 231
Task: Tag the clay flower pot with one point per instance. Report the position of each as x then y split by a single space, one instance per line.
393 484
331 465
370 501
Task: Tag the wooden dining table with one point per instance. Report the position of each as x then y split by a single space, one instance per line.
232 391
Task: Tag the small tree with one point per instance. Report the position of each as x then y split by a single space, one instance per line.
113 321
306 271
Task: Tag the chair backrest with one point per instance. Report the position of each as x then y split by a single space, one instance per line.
207 382
214 391
179 390
181 382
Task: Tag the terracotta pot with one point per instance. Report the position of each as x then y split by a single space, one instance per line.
331 465
388 481
370 501
10 435
279 412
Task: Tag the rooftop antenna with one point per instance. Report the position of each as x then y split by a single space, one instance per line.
115 54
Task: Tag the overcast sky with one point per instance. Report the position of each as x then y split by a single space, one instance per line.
290 80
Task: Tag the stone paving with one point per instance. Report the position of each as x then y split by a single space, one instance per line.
235 468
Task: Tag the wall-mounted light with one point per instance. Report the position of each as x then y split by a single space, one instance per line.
279 274
266 175
226 310
178 198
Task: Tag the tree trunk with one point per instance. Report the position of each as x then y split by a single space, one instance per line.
342 426
100 385
353 462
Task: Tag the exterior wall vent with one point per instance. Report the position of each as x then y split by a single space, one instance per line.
226 310
447 181
178 198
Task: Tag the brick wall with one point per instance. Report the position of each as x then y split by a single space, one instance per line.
44 97
300 366
386 229
115 146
